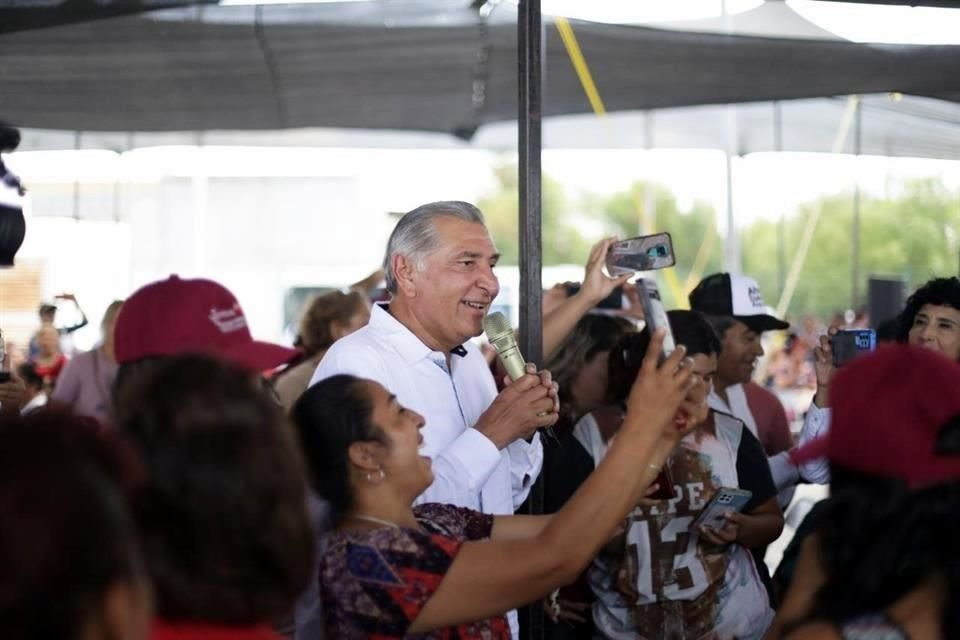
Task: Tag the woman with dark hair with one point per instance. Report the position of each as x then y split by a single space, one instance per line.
931 317
664 577
390 570
882 561
327 319
579 367
222 513
71 564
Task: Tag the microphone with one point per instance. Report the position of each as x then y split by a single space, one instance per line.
500 334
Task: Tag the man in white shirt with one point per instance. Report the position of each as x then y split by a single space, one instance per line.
735 308
439 269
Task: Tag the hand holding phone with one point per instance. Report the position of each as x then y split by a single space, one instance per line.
643 253
724 501
664 486
848 344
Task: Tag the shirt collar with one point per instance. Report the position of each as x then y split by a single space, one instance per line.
410 347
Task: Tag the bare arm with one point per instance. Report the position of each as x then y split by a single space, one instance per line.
369 283
597 285
799 601
760 527
490 577
518 527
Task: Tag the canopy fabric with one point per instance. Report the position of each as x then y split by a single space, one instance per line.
427 65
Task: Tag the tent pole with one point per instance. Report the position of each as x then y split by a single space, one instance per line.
855 232
731 249
530 55
782 226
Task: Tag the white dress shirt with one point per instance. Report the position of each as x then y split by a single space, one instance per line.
469 470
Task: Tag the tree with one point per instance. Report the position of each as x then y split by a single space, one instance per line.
912 236
563 243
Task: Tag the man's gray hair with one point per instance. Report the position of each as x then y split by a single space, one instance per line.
415 235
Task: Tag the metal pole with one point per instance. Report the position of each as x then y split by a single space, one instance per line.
732 261
782 227
855 257
530 56
77 144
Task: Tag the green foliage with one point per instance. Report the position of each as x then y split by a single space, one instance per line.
563 243
913 236
624 214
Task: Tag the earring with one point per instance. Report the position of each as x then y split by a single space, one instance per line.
372 479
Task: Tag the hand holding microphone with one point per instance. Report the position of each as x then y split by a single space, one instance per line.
530 402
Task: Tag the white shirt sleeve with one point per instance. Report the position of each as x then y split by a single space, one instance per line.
526 462
785 474
815 424
461 469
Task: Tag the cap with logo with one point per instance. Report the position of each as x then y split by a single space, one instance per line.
176 316
723 294
896 413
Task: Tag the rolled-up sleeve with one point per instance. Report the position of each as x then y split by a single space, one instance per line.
815 424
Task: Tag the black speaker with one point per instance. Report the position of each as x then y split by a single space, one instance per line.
885 299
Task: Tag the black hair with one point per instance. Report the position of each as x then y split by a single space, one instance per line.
67 535
694 331
939 291
720 324
879 540
690 328
28 373
223 511
329 417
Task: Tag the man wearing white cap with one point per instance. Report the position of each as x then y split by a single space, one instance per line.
735 308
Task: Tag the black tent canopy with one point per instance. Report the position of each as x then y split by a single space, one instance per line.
422 65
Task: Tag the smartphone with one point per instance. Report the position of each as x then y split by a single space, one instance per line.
725 500
612 301
852 343
665 486
654 314
643 253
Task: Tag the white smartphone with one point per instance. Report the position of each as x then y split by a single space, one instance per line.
725 500
654 314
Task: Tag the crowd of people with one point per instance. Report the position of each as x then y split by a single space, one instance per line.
184 480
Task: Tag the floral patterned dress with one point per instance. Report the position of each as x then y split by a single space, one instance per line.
374 583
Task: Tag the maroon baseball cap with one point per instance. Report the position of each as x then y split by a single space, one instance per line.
175 316
889 413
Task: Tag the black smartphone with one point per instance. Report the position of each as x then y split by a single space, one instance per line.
664 486
643 253
852 343
4 376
